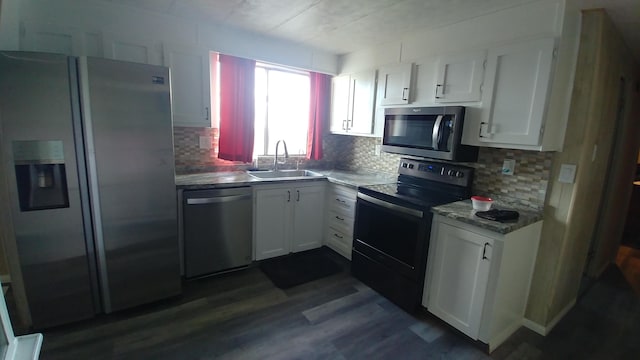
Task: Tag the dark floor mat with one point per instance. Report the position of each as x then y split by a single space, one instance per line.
295 269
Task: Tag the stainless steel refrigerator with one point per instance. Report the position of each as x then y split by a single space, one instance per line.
88 153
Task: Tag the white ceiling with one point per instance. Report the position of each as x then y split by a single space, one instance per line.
343 26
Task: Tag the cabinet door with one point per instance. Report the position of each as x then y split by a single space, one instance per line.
59 39
272 222
515 95
190 84
339 104
308 217
395 84
127 48
459 77
460 272
361 102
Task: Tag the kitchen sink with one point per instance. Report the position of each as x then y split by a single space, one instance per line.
284 174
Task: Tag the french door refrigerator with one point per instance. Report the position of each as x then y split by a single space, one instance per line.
88 157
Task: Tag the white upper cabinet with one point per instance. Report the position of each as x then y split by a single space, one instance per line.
363 87
339 104
60 39
352 103
395 84
515 96
190 84
127 48
459 77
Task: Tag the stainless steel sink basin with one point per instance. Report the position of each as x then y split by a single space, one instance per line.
284 174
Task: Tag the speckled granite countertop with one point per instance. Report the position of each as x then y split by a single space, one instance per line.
462 211
241 178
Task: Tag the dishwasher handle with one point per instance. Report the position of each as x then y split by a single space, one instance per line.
217 199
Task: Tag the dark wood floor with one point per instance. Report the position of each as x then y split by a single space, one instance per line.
242 315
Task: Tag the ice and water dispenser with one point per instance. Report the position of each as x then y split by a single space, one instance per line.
40 174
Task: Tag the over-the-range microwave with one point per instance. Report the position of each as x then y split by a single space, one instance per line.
431 132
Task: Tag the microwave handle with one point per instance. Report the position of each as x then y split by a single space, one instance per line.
435 135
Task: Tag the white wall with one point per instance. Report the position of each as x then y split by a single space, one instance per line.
92 19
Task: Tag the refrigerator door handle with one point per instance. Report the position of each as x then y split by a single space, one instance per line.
85 203
83 73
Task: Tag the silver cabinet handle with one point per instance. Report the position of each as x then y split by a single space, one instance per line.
344 125
288 196
215 200
437 86
338 236
341 201
339 218
405 93
298 193
206 109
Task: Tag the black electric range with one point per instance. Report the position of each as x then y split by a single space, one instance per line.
393 225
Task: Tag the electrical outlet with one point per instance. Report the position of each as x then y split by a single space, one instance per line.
205 142
508 167
567 173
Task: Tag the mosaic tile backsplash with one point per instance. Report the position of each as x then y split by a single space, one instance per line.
527 186
190 158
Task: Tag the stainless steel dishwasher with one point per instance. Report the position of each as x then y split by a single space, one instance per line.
218 227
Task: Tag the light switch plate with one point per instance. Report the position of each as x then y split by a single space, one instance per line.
508 167
567 173
205 142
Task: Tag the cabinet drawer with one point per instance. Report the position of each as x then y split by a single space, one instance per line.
339 221
339 241
339 202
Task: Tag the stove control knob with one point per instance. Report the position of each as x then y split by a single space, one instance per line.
404 165
451 172
410 166
459 174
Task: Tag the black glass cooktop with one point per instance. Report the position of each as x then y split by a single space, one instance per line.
407 195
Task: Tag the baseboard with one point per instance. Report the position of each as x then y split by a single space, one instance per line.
5 278
544 330
534 326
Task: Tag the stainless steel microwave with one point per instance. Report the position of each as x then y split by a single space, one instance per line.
431 132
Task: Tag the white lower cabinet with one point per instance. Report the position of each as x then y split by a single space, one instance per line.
478 280
287 218
341 209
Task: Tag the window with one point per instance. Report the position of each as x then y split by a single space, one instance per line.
282 109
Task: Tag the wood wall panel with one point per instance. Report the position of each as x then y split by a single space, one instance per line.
572 210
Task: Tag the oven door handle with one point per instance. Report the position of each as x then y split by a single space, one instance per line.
435 134
402 209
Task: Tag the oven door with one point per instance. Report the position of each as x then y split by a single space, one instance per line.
395 236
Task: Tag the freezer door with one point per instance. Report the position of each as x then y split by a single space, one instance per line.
37 127
129 139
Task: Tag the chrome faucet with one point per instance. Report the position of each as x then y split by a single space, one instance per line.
275 158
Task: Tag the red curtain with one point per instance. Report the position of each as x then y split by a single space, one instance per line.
237 108
318 113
